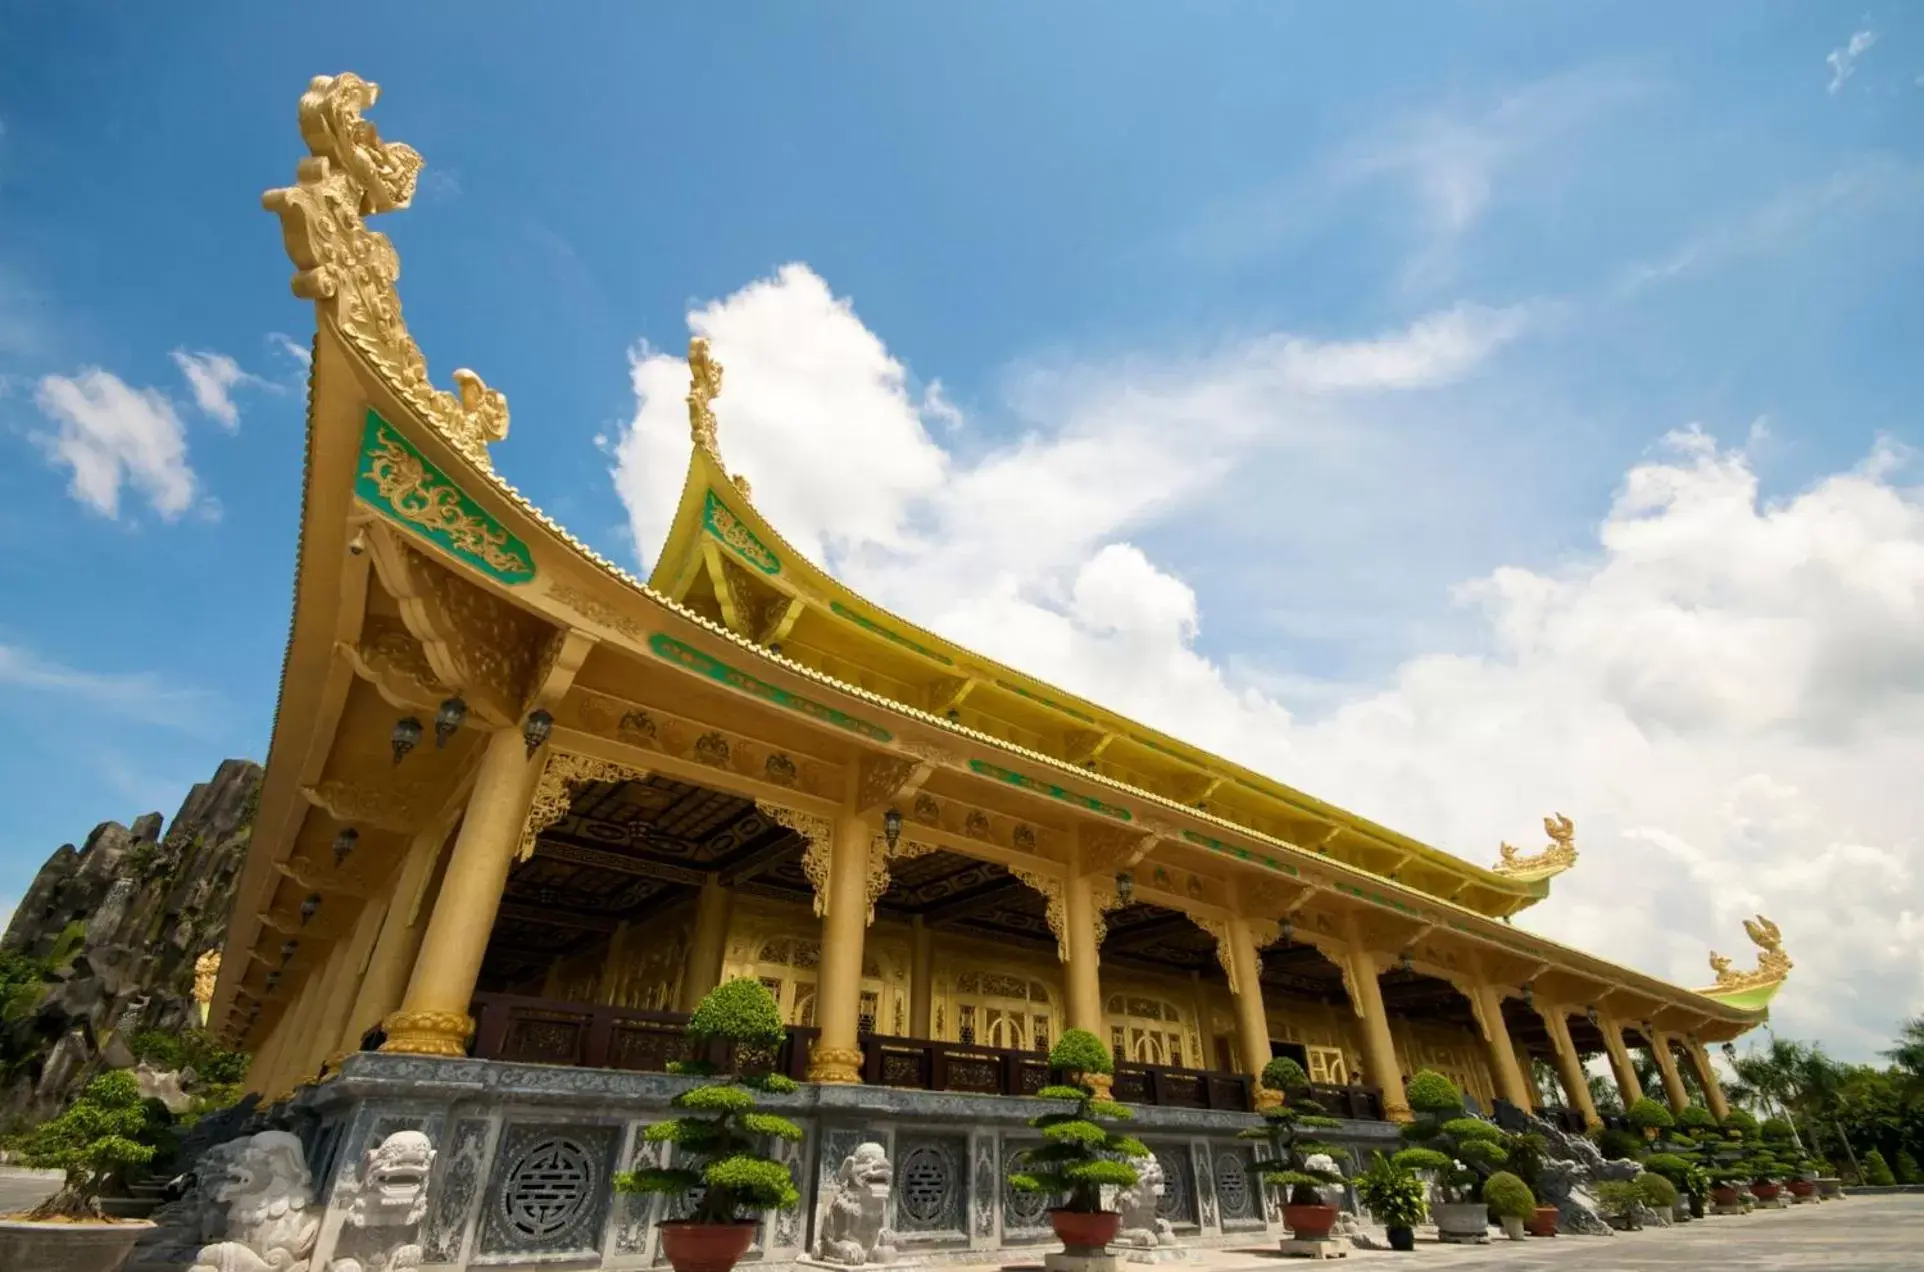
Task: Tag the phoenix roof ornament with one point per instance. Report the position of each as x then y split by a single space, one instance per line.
1559 856
1773 965
704 386
349 271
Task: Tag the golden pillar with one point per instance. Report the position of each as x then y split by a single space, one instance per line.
296 1061
1083 983
838 991
1627 1085
1504 1067
1237 950
708 944
1713 1086
1379 1049
1576 1083
1673 1086
921 979
433 1019
332 1020
267 1054
386 977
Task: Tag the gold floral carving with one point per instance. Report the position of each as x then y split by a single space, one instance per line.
927 810
1558 857
1772 963
484 647
424 498
1225 955
704 386
758 607
1054 911
1103 897
779 769
596 610
349 271
839 1065
428 1033
932 754
712 749
390 657
1107 849
976 824
880 859
563 774
818 833
206 973
398 807
880 778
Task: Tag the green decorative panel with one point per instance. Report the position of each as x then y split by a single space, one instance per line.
665 646
1050 789
1377 898
402 485
721 522
897 638
1241 854
1038 698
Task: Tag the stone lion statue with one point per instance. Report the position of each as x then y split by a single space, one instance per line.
1141 1225
854 1228
390 1196
268 1194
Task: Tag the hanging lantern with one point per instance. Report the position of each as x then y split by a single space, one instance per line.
535 729
1529 996
406 736
273 979
310 907
1125 887
1287 933
1592 1014
344 845
892 827
1409 962
447 720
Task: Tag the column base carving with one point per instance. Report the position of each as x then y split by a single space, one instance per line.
1101 1083
428 1033
1398 1113
1267 1099
839 1065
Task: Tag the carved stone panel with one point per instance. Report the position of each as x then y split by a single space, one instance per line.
1178 1201
1025 1216
931 1185
550 1190
985 1185
1238 1191
455 1191
1202 1160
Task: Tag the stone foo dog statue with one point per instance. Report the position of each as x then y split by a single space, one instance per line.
390 1197
854 1226
268 1194
1141 1225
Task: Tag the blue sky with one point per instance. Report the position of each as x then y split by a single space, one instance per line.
1588 229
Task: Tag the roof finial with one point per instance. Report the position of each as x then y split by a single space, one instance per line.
705 385
1559 856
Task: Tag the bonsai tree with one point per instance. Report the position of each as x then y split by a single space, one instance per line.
720 1139
1509 1197
1460 1150
1619 1199
1656 1191
1877 1171
1618 1145
1393 1194
1286 1131
98 1136
1697 1120
1739 1124
1078 1155
1648 1116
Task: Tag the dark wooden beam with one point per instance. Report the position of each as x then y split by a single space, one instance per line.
555 916
757 860
579 854
1151 930
962 907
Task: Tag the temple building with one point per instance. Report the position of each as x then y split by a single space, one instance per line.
522 810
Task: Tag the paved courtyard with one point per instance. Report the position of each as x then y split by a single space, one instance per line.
1860 1234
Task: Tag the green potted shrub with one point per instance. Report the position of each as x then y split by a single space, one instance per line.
1696 1119
1511 1200
1679 1169
1287 1168
1650 1117
1527 1152
1877 1171
1396 1197
102 1134
1618 1145
1079 1156
1656 1192
1619 1200
718 1157
1462 1151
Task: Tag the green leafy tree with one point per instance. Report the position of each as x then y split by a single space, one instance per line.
1906 1167
1649 1115
195 1049
1287 1131
104 1132
1877 1171
1393 1194
1509 1196
1462 1151
718 1140
1078 1154
1656 1191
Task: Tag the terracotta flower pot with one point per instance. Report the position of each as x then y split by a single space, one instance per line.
1543 1223
1309 1223
1802 1187
1725 1196
705 1247
1083 1230
1763 1191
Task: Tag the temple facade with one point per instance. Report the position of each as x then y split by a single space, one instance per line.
522 810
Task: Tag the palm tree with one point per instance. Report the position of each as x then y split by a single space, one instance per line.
1908 1054
1603 1094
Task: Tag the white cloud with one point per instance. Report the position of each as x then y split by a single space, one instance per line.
1724 692
1843 61
213 377
112 435
288 347
141 696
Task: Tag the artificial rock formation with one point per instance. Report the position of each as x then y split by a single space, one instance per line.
118 925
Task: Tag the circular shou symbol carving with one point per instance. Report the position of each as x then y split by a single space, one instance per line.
547 1189
925 1184
1173 1205
1232 1186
